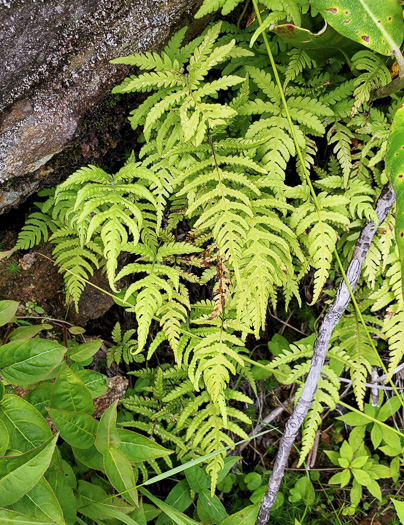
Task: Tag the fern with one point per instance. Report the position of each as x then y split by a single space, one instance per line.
376 75
321 236
125 348
76 262
214 223
108 201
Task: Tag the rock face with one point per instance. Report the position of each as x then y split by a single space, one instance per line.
54 66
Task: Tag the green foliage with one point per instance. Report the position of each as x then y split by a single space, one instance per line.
210 225
34 479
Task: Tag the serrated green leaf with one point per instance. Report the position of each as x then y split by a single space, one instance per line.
89 457
40 397
64 494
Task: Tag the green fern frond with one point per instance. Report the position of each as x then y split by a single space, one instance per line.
76 262
214 5
37 227
376 75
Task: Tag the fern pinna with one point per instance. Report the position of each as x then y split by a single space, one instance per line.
215 208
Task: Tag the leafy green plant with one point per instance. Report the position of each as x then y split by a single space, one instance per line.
214 219
36 482
356 463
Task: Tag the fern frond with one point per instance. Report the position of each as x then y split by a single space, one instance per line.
36 227
376 75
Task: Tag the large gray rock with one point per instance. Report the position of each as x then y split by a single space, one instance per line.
54 66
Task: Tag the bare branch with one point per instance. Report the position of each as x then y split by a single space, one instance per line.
386 91
333 316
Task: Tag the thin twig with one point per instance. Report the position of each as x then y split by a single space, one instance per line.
270 417
371 385
333 316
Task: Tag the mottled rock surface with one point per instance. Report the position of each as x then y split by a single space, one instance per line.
54 67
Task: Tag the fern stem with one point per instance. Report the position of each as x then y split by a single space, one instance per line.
343 296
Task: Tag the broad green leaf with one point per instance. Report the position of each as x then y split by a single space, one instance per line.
27 332
75 330
70 393
247 516
321 46
197 479
26 362
139 515
361 476
41 503
376 24
376 435
4 438
353 419
84 352
77 428
175 515
374 488
346 451
399 506
40 396
26 427
107 434
212 506
120 474
89 457
228 463
391 406
7 311
253 480
90 493
2 389
96 383
96 511
64 494
138 448
94 503
395 171
179 498
19 474
9 517
150 511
